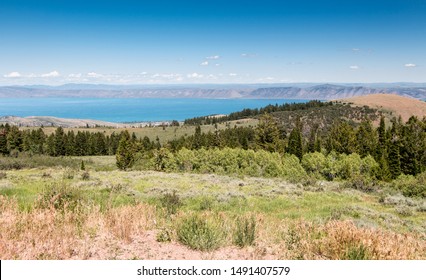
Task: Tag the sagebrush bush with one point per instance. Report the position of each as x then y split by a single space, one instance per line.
356 252
245 231
164 235
68 173
85 175
60 196
34 161
171 202
199 233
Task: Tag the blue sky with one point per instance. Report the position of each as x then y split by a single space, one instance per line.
186 42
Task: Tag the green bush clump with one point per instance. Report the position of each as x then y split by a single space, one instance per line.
411 186
171 203
340 166
356 252
245 231
199 233
60 196
230 161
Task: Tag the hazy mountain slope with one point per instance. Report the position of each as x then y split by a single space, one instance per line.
326 91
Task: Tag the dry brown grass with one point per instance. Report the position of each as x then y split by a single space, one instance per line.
399 105
130 232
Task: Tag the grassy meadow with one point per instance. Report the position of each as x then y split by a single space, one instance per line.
165 134
58 211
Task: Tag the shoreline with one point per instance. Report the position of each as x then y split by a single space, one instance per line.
50 121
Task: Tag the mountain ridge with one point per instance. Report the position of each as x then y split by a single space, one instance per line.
319 91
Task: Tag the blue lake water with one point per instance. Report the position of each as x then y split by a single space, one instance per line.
129 109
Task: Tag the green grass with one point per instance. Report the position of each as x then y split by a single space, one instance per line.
166 134
108 187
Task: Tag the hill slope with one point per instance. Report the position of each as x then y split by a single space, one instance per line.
398 105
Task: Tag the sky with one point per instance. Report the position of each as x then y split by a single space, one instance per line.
55 42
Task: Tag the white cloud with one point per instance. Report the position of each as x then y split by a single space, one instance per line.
52 74
78 75
354 67
232 74
214 57
410 65
217 64
356 49
94 75
248 54
204 63
195 75
12 75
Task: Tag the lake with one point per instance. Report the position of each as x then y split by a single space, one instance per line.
129 109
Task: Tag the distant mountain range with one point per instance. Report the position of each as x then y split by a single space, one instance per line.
277 91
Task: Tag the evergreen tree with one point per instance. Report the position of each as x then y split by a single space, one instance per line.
125 152
3 143
14 139
341 138
366 139
59 143
394 159
267 134
197 142
295 143
382 141
312 139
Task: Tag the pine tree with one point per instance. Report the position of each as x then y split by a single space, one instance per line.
14 139
3 143
267 134
366 139
341 138
312 139
295 143
125 152
197 142
394 160
59 143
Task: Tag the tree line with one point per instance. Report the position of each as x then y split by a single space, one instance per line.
61 143
246 113
398 148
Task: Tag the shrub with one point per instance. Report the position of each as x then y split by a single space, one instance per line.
60 196
411 186
199 233
245 231
85 175
361 183
3 175
356 252
68 173
230 161
314 163
171 202
164 235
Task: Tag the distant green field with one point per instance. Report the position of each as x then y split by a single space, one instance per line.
164 134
